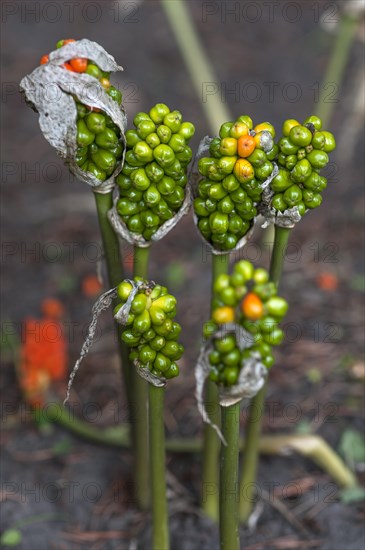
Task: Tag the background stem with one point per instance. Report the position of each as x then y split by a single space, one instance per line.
115 271
139 406
345 33
228 491
211 443
197 61
256 410
160 532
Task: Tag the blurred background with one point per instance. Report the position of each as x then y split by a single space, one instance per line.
271 60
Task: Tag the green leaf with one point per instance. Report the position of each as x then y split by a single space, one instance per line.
62 447
358 283
314 375
352 447
304 427
352 494
175 274
11 537
9 338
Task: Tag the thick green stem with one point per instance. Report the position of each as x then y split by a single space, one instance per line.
229 488
140 407
345 34
250 459
115 272
211 443
160 530
256 410
110 239
278 253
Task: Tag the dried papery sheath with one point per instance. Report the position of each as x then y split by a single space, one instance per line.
251 378
250 381
157 381
51 90
287 219
121 316
137 239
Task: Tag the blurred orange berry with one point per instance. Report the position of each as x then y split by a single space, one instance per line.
43 357
53 308
91 286
327 281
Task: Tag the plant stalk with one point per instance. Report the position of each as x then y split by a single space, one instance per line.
211 443
345 34
256 410
160 530
229 487
197 62
139 407
115 271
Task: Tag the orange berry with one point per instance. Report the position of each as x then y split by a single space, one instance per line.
246 146
79 64
44 59
252 307
68 67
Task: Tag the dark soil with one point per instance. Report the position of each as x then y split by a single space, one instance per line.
71 494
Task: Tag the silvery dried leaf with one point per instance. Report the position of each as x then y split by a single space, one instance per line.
103 302
250 381
138 240
147 375
50 88
287 219
121 316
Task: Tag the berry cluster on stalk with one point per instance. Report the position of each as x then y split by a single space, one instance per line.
303 153
153 180
98 139
249 299
150 331
240 161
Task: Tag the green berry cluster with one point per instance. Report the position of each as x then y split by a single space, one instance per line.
150 330
98 138
303 152
249 299
240 160
152 182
